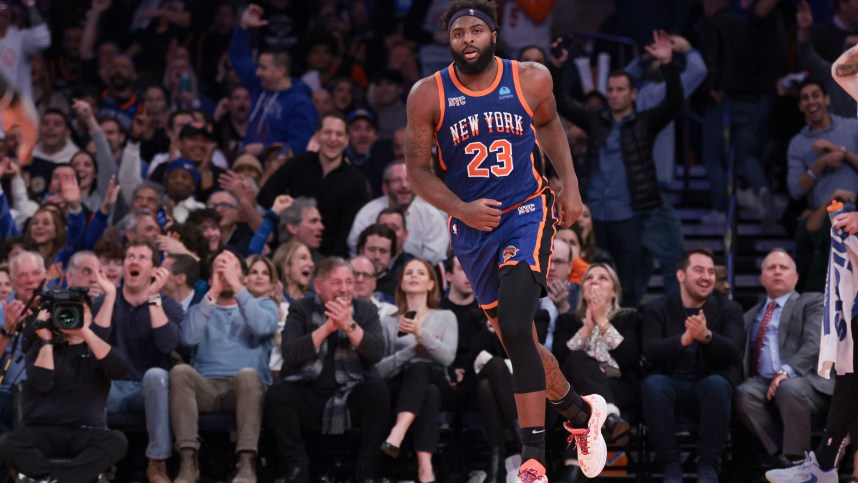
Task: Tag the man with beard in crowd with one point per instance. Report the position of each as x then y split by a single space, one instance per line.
120 101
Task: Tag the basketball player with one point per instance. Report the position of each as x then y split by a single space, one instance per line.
485 114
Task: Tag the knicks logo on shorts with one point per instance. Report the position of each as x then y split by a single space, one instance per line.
509 252
525 209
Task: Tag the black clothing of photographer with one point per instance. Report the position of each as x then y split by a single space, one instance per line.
64 416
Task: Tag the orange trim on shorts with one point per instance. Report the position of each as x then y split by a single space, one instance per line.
539 237
483 92
518 91
440 83
489 306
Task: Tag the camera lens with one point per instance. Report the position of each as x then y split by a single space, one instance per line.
66 318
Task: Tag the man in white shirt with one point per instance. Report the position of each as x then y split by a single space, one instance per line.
428 237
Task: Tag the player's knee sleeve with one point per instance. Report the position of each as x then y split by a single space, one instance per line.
518 299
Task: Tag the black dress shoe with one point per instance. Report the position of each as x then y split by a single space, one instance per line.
616 430
389 449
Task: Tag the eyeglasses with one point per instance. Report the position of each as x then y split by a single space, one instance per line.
224 204
364 275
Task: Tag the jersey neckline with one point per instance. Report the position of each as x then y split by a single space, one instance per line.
487 90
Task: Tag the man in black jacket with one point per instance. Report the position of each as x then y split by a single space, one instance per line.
694 342
619 178
330 346
64 406
326 175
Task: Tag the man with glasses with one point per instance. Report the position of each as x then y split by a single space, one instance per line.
428 237
365 284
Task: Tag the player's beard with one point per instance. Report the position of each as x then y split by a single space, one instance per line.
478 65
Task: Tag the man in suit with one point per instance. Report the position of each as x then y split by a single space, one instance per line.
780 364
693 340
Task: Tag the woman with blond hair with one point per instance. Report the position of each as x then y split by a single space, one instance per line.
296 269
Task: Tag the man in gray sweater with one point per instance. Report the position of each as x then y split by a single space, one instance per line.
233 332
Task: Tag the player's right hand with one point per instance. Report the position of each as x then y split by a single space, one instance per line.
481 214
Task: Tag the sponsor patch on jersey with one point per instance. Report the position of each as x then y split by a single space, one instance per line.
455 101
504 93
509 252
529 208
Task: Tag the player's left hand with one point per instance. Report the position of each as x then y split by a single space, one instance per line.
569 206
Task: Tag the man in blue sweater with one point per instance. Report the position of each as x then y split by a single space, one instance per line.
233 333
282 109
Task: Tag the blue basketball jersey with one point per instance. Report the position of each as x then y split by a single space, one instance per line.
486 138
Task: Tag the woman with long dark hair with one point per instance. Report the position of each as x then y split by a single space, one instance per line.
421 343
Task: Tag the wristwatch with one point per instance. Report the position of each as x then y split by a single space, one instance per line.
707 338
155 300
44 342
351 327
782 372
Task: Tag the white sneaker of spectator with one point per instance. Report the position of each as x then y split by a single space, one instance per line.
807 471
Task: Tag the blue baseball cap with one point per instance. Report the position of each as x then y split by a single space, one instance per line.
187 165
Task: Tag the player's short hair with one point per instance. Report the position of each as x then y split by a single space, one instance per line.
489 7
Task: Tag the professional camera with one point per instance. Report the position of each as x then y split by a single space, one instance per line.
65 308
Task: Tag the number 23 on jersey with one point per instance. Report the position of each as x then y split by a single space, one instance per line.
502 151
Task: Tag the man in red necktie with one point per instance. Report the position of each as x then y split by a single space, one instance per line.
780 364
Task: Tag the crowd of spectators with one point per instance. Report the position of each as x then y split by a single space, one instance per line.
228 181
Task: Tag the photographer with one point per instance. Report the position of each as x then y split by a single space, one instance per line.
69 373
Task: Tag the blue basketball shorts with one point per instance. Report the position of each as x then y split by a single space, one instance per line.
525 234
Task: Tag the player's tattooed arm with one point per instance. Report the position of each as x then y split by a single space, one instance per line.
844 69
422 112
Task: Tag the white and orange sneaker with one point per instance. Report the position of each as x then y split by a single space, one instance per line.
592 450
531 472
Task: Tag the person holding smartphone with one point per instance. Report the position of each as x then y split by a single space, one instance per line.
421 342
